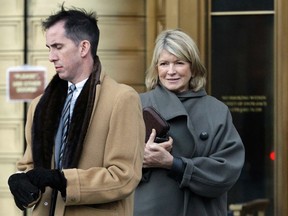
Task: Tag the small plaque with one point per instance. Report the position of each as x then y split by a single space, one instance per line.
25 82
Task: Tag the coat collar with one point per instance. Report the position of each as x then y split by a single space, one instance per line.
47 115
168 102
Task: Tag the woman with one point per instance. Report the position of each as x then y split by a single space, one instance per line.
190 173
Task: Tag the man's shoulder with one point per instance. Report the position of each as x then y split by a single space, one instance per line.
116 89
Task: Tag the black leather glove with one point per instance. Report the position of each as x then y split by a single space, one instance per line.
24 192
45 177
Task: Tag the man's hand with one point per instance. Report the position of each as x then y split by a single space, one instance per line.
45 177
25 193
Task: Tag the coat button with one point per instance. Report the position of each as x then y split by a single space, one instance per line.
45 203
204 135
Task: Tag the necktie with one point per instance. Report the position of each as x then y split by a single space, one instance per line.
65 121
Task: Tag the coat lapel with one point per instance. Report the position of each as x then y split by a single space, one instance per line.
167 103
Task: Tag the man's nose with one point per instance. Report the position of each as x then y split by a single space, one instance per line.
52 56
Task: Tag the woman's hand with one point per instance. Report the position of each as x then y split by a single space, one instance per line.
157 154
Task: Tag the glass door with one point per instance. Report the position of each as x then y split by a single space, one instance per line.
242 71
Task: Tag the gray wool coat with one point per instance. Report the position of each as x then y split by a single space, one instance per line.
209 146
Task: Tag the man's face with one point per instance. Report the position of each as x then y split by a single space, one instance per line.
64 53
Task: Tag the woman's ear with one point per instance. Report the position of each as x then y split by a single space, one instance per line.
85 47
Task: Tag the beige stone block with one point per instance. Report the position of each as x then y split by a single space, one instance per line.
12 8
125 67
8 207
10 109
102 7
11 136
8 167
9 59
12 33
40 58
36 36
122 33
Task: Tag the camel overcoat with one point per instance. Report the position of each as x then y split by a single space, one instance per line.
109 167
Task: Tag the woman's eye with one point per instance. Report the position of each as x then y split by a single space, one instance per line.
163 63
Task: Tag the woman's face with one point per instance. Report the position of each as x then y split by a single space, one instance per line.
174 74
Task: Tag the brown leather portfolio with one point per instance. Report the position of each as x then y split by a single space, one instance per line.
153 119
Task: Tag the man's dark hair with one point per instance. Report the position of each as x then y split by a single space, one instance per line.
79 25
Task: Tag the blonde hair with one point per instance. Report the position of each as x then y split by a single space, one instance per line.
184 48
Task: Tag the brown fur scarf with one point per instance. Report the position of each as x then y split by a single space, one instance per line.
47 117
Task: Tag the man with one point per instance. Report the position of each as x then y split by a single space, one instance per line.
88 160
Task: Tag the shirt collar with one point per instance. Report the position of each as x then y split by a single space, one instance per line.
78 85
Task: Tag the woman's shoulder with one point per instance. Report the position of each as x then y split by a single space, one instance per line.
145 94
215 103
145 98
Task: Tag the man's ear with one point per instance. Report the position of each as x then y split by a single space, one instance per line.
85 47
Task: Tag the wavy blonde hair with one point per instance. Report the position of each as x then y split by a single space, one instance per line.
184 48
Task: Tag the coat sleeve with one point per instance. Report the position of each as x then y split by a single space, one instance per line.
217 170
123 146
26 162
